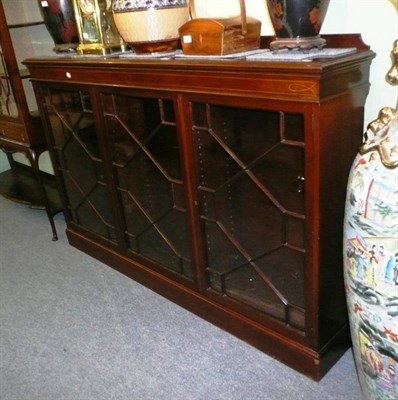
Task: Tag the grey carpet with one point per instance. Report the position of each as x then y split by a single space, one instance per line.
72 328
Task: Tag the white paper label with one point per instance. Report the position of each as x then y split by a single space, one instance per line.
187 39
44 4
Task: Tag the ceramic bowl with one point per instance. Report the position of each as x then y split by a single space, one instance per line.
150 26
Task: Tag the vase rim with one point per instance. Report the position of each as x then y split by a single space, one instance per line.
142 5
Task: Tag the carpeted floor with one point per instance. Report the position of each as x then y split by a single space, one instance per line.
72 328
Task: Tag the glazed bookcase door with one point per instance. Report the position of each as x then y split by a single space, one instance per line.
145 156
79 161
251 179
22 34
8 105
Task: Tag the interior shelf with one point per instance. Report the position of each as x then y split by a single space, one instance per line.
25 24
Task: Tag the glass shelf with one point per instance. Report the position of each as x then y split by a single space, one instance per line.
25 24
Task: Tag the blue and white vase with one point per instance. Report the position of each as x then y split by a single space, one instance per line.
371 258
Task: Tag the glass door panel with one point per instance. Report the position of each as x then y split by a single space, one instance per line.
8 106
80 161
145 155
251 190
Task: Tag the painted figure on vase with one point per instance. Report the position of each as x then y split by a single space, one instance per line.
371 258
371 230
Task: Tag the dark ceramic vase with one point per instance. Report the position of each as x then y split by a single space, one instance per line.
297 23
59 18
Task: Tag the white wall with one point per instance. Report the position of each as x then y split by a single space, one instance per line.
3 162
375 20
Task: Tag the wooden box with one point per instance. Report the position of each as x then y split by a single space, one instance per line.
220 36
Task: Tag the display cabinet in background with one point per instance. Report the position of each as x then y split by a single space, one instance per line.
21 130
